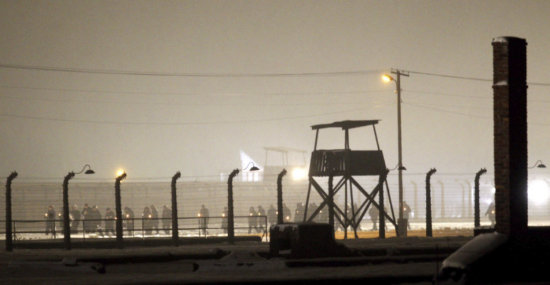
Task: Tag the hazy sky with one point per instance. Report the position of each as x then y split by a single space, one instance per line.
161 119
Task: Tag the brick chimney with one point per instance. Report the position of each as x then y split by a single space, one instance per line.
510 134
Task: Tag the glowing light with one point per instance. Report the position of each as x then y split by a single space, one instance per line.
386 78
538 192
119 172
299 173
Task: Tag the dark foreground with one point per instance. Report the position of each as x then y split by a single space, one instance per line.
390 261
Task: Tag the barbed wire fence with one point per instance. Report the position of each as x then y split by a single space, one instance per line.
452 199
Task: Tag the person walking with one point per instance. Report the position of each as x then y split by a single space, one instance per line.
50 220
204 215
75 222
155 219
373 214
146 220
109 222
224 220
271 215
166 219
406 213
251 219
261 219
129 220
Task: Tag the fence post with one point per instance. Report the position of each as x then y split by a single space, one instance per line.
175 227
9 236
476 197
429 203
65 217
230 218
381 210
118 210
280 213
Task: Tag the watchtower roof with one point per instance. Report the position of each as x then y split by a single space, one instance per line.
348 124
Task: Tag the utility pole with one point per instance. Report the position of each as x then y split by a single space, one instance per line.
386 78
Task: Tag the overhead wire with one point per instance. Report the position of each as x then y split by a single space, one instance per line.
183 74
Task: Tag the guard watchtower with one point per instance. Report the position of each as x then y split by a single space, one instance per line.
345 164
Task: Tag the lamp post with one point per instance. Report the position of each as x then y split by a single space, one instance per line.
230 215
66 222
387 78
118 209
9 237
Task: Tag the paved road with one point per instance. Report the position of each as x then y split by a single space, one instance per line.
394 260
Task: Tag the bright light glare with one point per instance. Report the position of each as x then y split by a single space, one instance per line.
386 78
119 172
538 192
299 173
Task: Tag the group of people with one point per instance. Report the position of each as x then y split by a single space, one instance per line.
151 221
93 222
90 217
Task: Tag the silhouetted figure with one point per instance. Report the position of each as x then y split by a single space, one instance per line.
359 224
129 220
224 220
59 222
252 220
299 212
109 222
261 218
50 220
75 214
491 213
406 213
286 214
85 218
154 218
146 220
96 219
373 214
166 219
322 217
204 216
271 215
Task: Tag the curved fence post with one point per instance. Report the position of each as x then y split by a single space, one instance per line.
118 210
280 213
476 197
230 218
9 235
175 227
66 221
429 203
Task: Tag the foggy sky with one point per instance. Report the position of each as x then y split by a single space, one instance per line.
154 125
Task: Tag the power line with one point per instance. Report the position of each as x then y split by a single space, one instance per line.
176 104
175 123
435 108
155 93
468 77
169 74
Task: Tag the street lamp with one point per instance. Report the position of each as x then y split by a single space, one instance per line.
87 169
538 164
387 78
